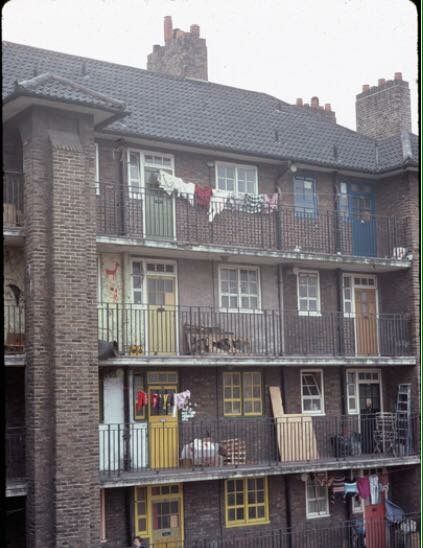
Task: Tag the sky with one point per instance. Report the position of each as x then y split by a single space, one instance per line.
287 48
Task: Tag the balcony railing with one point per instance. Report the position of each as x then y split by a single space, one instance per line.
152 214
15 453
152 330
14 328
12 199
227 443
347 534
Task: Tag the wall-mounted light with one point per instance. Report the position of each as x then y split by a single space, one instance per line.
293 168
210 164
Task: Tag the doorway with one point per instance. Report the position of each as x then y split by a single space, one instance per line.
161 299
363 223
366 321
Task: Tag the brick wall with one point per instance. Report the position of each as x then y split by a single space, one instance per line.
116 518
61 372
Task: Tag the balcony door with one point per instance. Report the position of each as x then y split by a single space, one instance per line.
162 325
163 425
363 223
366 331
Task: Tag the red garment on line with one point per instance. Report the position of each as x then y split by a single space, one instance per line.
203 195
141 400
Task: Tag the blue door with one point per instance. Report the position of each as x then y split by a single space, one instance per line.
363 222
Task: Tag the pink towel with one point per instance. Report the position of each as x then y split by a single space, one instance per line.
270 202
363 487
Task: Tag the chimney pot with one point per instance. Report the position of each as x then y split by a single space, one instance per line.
178 33
299 102
381 81
156 47
328 107
195 30
314 102
167 29
366 87
398 76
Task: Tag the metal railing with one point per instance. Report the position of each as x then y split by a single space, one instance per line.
257 441
152 330
152 214
355 533
14 328
15 452
13 204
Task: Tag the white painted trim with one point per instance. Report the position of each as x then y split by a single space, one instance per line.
318 302
322 390
230 266
313 515
236 166
358 382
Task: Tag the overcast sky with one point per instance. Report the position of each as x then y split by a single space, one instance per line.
287 48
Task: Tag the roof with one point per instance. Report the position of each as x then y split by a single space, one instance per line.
203 114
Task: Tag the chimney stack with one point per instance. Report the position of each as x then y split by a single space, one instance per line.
184 54
384 110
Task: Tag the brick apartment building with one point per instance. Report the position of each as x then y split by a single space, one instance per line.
211 304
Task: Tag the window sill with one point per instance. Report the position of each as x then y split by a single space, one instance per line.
317 516
241 311
311 314
313 414
248 524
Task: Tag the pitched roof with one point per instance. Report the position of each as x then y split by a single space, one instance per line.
205 114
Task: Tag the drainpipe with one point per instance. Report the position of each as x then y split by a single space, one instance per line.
280 305
335 209
288 515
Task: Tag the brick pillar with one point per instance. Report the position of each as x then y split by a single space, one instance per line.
62 367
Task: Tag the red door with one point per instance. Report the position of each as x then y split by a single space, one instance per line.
374 516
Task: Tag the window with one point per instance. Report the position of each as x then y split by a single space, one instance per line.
239 288
317 503
348 300
352 393
305 196
308 293
141 511
97 170
312 400
238 179
343 199
242 393
143 168
246 502
137 277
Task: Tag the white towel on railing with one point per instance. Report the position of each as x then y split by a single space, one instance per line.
169 183
218 202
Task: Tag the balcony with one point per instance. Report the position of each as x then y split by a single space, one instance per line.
13 200
15 453
153 215
347 534
220 446
14 329
145 331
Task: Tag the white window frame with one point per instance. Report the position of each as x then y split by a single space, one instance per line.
354 286
143 164
97 170
316 312
358 381
322 392
314 515
235 166
238 268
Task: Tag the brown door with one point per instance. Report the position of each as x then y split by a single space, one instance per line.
366 322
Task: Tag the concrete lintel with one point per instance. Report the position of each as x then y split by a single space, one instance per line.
184 475
14 360
16 488
287 361
13 236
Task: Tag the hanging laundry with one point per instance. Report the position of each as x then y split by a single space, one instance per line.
217 203
374 489
253 203
169 183
180 400
141 400
394 514
350 488
203 195
154 400
363 487
337 483
321 479
270 202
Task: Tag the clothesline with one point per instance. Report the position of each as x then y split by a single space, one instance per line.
158 401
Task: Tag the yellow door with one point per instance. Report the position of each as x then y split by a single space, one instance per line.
161 315
163 427
166 516
366 322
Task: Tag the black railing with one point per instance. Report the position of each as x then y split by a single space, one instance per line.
247 442
14 328
13 199
152 214
152 330
355 533
15 452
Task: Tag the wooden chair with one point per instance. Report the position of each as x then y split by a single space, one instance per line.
385 433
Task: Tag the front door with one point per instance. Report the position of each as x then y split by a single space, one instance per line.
374 516
159 207
161 296
366 322
363 223
166 516
163 426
